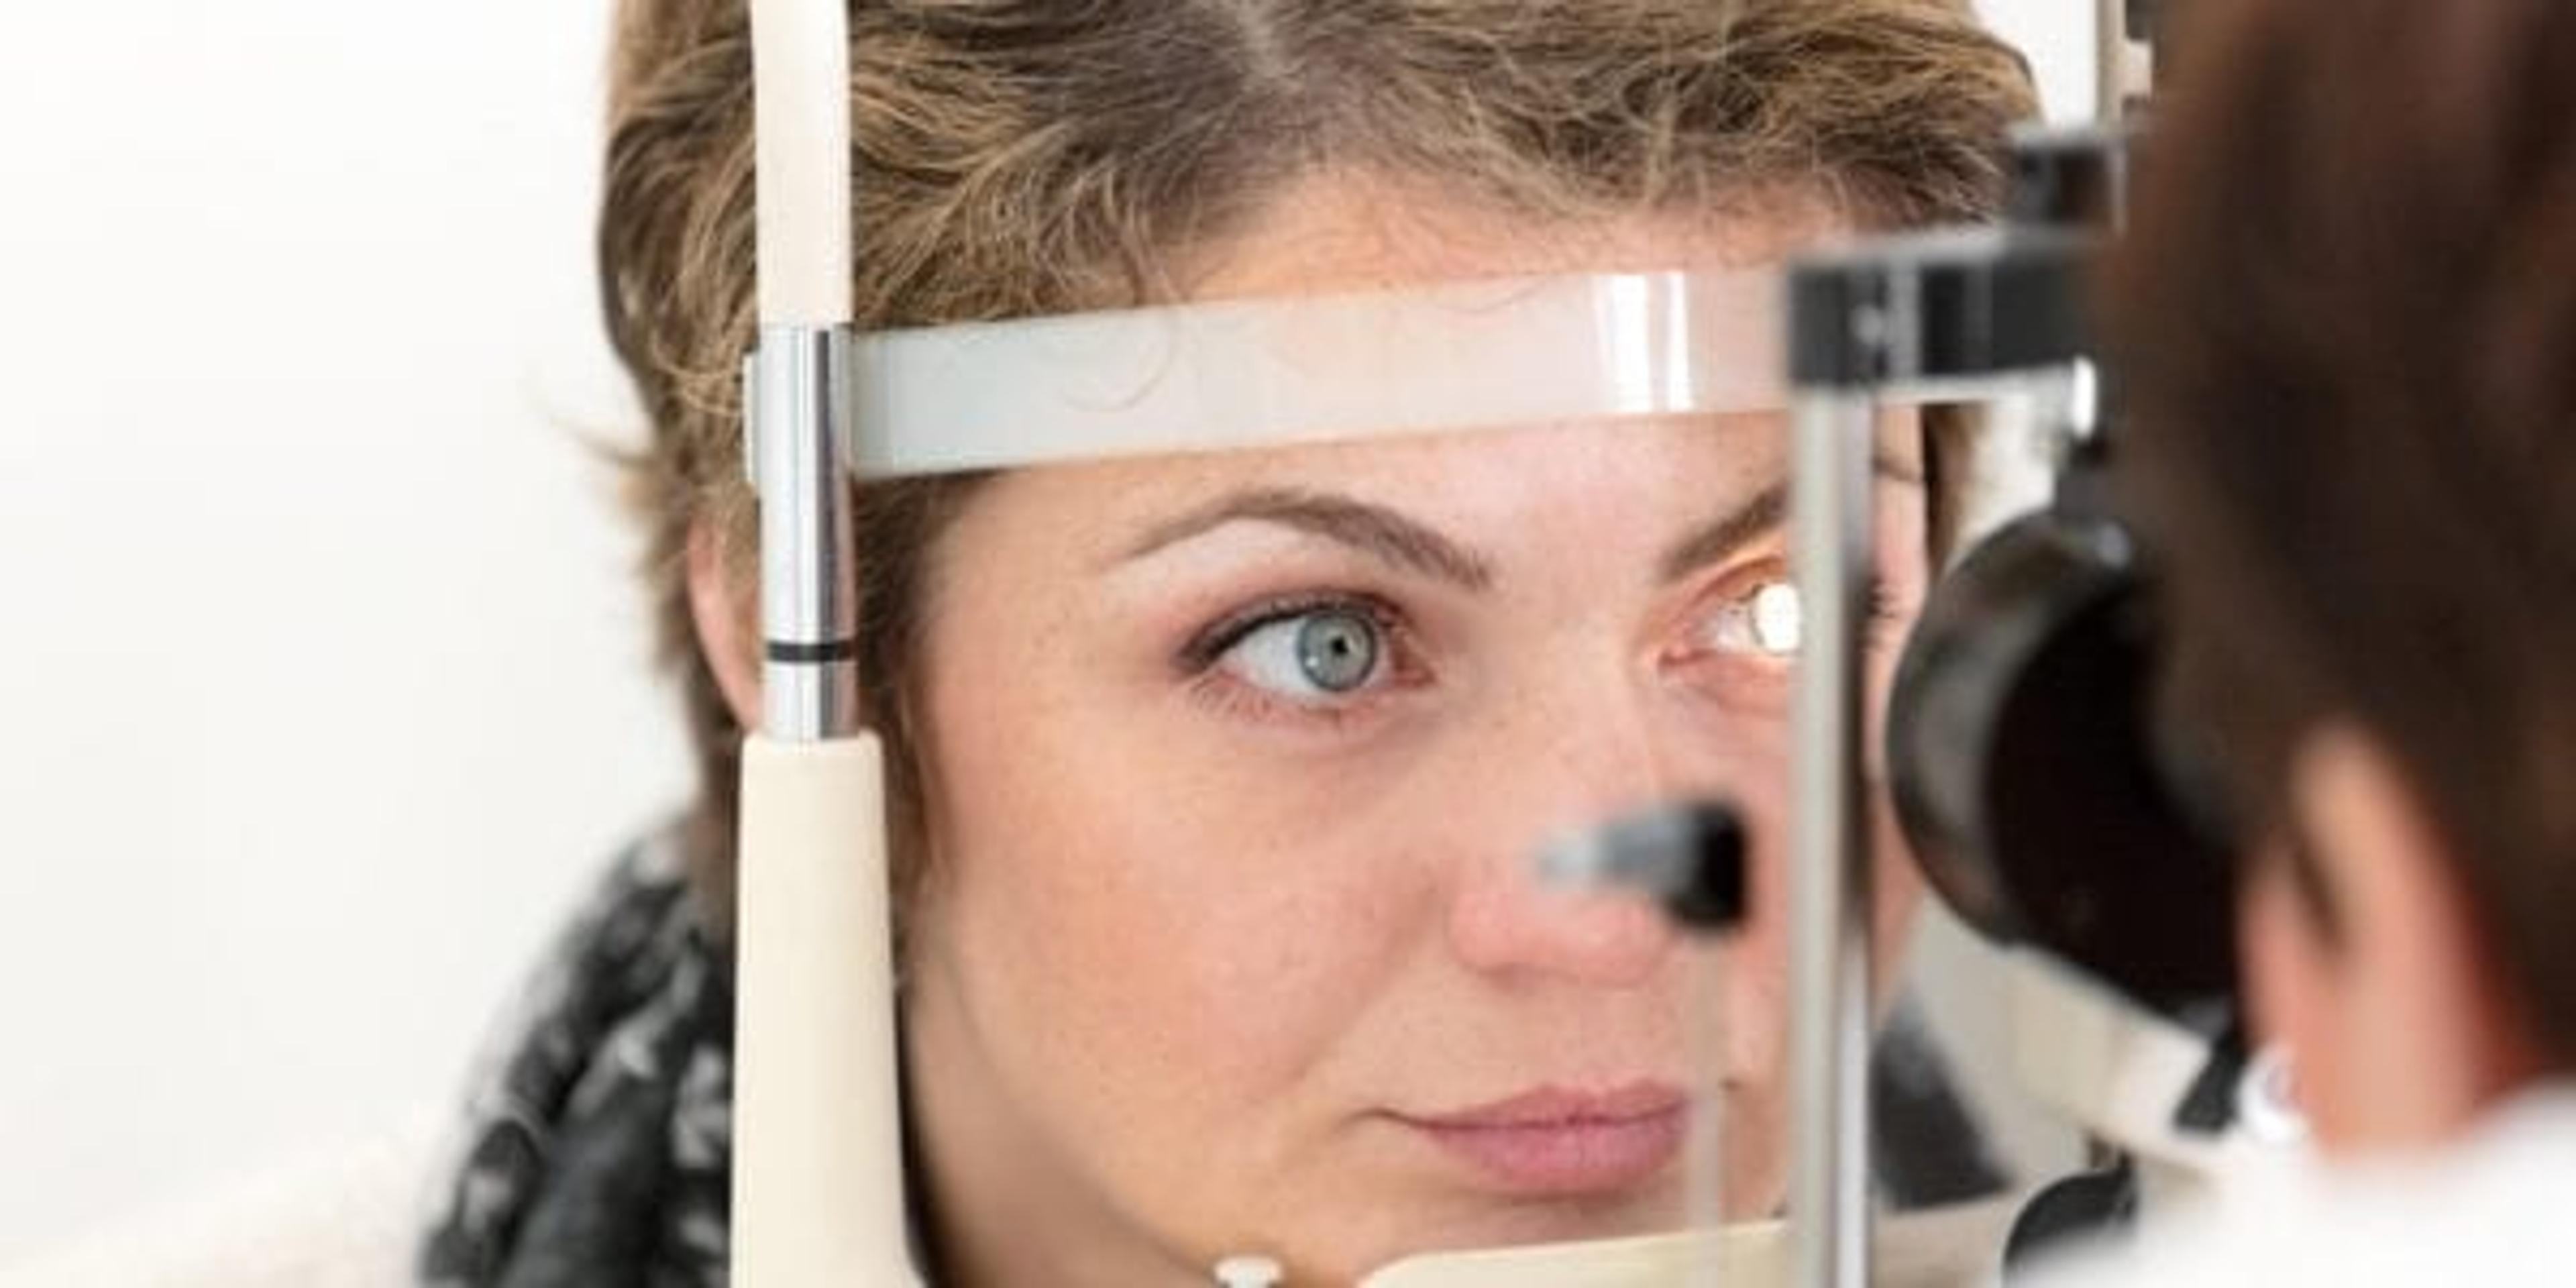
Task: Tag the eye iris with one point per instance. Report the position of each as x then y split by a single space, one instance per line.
1337 651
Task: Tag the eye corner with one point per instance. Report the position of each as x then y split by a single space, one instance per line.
1754 615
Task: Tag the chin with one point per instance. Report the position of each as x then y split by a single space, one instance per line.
1454 1223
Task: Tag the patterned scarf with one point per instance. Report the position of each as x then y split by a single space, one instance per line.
599 1148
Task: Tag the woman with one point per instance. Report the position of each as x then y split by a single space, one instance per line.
1215 778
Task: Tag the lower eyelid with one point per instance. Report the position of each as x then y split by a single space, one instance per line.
1229 694
1236 699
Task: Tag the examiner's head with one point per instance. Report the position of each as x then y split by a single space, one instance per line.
2348 311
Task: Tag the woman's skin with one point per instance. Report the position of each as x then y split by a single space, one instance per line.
1216 958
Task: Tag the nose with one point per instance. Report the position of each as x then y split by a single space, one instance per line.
1546 765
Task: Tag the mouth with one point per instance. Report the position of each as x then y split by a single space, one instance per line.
1555 1143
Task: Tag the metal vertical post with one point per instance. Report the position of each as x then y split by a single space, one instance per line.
1830 883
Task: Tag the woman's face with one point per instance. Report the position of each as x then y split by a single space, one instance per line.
1238 765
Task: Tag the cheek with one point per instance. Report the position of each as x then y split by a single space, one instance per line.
1142 924
1896 895
1760 783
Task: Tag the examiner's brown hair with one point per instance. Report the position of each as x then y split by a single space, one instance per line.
2348 315
1016 157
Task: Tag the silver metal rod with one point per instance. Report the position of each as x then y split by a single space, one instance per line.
1829 884
796 405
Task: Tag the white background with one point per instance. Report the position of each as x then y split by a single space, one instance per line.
322 672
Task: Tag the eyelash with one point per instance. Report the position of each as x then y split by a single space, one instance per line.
1210 645
1200 661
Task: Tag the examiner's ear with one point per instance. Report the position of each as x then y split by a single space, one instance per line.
2396 1016
722 616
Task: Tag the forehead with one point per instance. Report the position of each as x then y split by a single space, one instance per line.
1512 470
1594 493
1352 231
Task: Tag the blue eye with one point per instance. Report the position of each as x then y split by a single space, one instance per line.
1311 656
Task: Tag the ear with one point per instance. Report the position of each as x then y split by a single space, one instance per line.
2401 1031
722 616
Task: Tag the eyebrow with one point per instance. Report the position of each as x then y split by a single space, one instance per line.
1371 529
1393 538
1764 511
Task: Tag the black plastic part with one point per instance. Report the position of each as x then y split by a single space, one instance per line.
1826 300
1713 900
2209 1108
2081 1207
2073 178
2145 20
2026 770
1951 305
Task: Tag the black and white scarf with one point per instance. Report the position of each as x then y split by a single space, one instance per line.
599 1146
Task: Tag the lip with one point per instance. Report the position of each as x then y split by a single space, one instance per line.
1557 1142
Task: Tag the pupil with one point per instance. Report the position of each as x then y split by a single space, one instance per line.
1337 651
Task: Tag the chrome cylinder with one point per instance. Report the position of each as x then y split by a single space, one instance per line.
796 416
